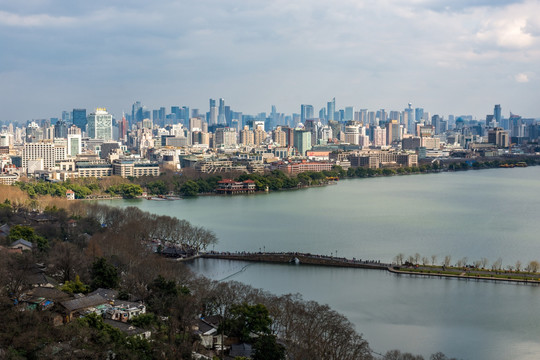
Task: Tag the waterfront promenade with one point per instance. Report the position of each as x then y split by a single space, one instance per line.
465 273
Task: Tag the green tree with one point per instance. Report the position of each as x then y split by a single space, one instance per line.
21 232
76 286
163 295
104 275
189 188
157 187
267 348
246 319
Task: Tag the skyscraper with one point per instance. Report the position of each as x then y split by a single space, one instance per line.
60 129
349 113
497 113
221 112
306 112
136 112
331 109
100 125
322 114
410 119
418 114
79 118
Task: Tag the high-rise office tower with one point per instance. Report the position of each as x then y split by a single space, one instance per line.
185 115
410 119
371 117
99 125
145 113
393 115
383 115
213 116
66 116
436 122
310 112
221 112
60 129
418 114
349 113
79 118
331 109
306 112
322 114
161 115
136 112
363 116
302 113
497 113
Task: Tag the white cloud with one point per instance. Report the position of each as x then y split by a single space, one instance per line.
507 33
37 20
522 78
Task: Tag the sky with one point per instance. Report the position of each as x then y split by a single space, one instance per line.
449 57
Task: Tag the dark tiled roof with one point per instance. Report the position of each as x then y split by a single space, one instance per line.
241 350
108 294
84 302
21 242
213 320
40 279
128 329
49 293
204 326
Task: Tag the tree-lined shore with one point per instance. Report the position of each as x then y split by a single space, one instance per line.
191 183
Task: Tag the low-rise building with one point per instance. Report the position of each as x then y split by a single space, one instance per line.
228 186
299 167
125 168
94 169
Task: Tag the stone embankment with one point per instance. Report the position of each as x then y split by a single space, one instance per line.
296 257
325 260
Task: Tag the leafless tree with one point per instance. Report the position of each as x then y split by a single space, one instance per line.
497 265
533 266
447 260
485 262
67 261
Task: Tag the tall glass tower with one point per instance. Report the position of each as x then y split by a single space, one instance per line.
331 109
79 118
497 113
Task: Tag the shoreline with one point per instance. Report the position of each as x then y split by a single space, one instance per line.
260 192
332 261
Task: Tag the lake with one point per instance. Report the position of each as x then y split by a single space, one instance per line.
489 213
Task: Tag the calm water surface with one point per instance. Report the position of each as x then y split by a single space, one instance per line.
474 214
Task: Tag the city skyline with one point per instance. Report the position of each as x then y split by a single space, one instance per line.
449 60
